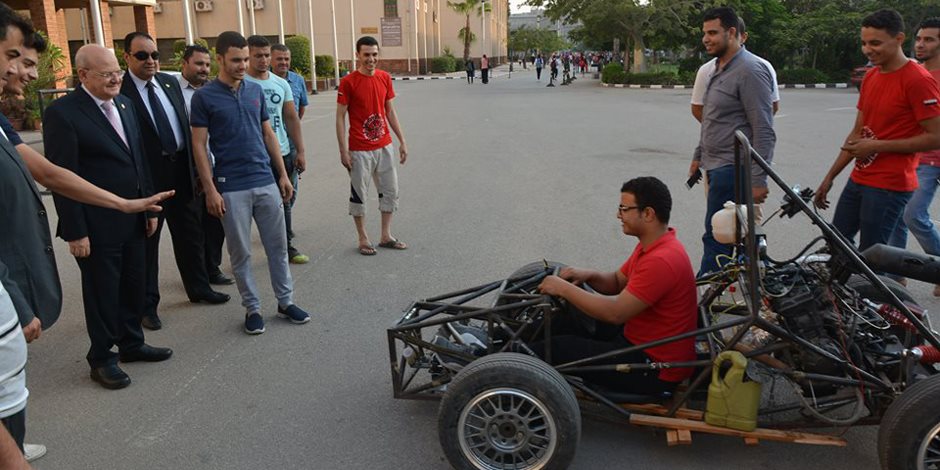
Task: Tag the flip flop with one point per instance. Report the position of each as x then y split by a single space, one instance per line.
367 250
394 244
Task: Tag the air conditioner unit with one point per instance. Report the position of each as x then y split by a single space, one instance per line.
202 5
158 7
258 4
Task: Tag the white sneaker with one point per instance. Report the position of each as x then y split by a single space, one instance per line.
33 451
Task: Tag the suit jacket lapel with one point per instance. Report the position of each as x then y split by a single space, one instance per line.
88 106
129 89
11 152
179 108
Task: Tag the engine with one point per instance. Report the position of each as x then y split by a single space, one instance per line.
805 309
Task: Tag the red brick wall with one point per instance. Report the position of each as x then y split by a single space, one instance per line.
144 22
44 17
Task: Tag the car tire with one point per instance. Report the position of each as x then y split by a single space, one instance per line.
534 268
866 289
509 410
910 430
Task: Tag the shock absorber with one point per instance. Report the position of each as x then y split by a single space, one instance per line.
896 318
926 354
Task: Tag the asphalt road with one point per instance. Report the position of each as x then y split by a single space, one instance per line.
499 175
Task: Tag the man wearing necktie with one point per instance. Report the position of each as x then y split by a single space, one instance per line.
161 110
93 131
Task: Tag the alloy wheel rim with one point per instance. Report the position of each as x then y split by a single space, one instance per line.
507 428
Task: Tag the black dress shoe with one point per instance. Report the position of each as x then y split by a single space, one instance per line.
220 279
151 322
110 376
210 297
146 353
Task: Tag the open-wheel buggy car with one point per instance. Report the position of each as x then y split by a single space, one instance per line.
818 340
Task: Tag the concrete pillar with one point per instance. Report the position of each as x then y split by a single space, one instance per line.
45 17
144 22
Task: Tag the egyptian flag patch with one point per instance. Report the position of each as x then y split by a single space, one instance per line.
930 102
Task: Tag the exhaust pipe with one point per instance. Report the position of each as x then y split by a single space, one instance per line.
900 262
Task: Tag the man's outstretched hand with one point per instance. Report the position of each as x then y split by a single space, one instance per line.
147 204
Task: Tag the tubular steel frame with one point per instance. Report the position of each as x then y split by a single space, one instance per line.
513 297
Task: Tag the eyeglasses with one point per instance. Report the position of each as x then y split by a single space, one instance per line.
622 208
118 74
141 55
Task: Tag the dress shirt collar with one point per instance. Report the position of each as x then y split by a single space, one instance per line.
140 83
98 101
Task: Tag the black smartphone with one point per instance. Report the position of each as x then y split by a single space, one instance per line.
694 179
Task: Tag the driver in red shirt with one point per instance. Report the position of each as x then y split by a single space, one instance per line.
652 295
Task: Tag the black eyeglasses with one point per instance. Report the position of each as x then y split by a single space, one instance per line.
622 208
141 55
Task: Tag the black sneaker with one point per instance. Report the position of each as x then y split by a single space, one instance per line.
293 313
254 324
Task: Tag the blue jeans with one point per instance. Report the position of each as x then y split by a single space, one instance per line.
872 211
916 218
290 166
720 190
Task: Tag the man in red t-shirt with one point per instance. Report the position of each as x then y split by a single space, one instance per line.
898 116
652 295
366 94
916 216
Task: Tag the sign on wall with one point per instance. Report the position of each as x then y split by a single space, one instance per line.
391 32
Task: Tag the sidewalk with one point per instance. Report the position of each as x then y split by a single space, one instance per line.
495 72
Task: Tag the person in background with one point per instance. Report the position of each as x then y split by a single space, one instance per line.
916 217
280 65
898 116
194 73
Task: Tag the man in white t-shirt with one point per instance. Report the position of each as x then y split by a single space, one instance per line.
706 71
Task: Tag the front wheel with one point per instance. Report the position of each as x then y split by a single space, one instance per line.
509 411
909 435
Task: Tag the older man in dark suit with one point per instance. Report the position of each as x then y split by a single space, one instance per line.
94 132
161 111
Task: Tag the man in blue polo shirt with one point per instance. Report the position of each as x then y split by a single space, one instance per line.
242 187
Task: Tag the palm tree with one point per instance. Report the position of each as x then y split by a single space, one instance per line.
467 7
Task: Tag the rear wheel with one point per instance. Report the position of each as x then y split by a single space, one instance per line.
509 411
909 435
866 289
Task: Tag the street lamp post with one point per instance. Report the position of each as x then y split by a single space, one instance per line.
335 43
96 23
251 16
280 22
188 22
241 18
483 7
352 34
313 50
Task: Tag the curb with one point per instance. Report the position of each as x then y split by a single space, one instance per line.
689 87
422 78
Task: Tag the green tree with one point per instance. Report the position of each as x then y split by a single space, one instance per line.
466 8
525 39
299 53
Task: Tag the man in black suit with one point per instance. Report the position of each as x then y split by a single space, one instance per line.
161 111
95 133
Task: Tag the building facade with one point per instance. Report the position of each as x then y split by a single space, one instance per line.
536 19
410 32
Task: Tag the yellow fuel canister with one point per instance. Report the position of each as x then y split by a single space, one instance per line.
733 399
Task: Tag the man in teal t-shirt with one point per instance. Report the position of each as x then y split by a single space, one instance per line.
285 122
